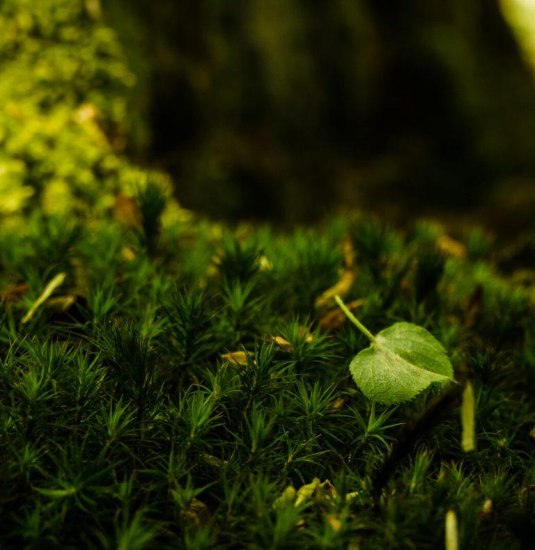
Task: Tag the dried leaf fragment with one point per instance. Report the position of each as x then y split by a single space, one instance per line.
197 512
236 358
13 292
334 521
486 509
287 497
282 343
338 404
451 247
335 318
344 284
468 441
451 531
56 282
127 211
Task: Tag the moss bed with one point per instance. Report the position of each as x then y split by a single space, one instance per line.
187 385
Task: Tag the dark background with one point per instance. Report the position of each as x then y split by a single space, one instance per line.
289 111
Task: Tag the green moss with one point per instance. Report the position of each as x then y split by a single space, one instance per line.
123 416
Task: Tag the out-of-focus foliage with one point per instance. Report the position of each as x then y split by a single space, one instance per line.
521 14
286 109
64 87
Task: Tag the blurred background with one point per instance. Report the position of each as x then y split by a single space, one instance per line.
290 111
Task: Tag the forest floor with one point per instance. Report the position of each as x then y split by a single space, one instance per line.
170 382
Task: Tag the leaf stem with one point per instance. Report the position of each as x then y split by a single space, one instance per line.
354 320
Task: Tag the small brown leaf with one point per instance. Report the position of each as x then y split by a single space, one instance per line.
335 318
338 404
127 211
474 306
13 292
197 512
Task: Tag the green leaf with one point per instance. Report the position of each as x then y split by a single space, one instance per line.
403 360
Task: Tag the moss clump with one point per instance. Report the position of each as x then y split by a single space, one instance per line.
65 91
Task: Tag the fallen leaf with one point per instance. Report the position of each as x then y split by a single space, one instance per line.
451 531
334 522
486 509
287 497
264 264
338 404
306 491
127 211
349 253
127 254
236 358
62 303
344 284
197 512
13 292
282 343
335 318
451 247
402 360
468 442
56 282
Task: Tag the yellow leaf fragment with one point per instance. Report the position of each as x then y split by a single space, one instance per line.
62 303
451 531
128 254
334 522
468 414
337 404
56 282
282 343
236 358
316 489
341 288
306 491
344 284
264 264
349 253
451 247
288 497
486 509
